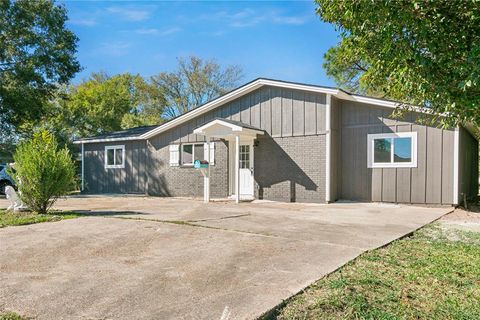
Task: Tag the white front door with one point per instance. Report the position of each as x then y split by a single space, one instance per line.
246 171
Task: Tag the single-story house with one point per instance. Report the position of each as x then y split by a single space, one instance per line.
287 141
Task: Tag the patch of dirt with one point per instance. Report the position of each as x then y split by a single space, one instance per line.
461 219
463 216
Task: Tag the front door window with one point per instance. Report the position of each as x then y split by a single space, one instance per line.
245 157
246 171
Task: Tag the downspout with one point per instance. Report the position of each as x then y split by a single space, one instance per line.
83 168
456 165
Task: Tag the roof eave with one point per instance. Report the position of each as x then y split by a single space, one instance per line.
106 140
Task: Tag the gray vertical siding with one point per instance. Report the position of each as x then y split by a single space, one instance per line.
131 179
431 182
468 165
280 112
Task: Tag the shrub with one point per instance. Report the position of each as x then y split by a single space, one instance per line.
43 171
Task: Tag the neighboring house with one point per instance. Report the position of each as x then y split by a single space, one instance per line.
293 142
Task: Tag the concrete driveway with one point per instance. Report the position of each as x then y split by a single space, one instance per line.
151 258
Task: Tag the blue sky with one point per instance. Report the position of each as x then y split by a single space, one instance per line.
280 40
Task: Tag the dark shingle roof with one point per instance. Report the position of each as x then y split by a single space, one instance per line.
240 124
127 133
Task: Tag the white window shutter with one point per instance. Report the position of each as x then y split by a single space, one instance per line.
212 153
174 155
205 151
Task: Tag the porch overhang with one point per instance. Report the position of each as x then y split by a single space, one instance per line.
235 133
226 129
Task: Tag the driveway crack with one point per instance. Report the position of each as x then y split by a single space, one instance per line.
191 224
221 218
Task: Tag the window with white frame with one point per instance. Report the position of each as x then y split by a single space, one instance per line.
392 150
115 156
191 152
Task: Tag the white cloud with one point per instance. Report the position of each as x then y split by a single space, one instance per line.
87 22
131 13
116 49
158 32
151 31
295 20
248 18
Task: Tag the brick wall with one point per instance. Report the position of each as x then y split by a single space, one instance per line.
290 169
164 180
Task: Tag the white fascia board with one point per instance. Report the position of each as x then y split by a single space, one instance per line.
107 140
234 128
297 86
388 104
374 101
215 122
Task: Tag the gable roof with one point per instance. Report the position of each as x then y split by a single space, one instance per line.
239 124
133 133
228 127
236 93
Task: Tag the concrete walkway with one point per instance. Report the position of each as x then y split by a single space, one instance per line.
151 258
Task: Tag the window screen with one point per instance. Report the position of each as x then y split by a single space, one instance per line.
187 154
382 150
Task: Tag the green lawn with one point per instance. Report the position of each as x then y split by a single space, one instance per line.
435 274
22 218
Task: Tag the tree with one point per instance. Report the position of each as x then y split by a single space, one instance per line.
195 82
425 53
37 53
43 171
104 104
149 105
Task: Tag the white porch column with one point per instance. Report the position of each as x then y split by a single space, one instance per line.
206 177
237 169
83 169
328 143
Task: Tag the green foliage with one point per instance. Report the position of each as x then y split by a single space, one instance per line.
424 53
99 104
103 104
194 83
344 65
433 275
25 218
10 316
44 171
37 52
